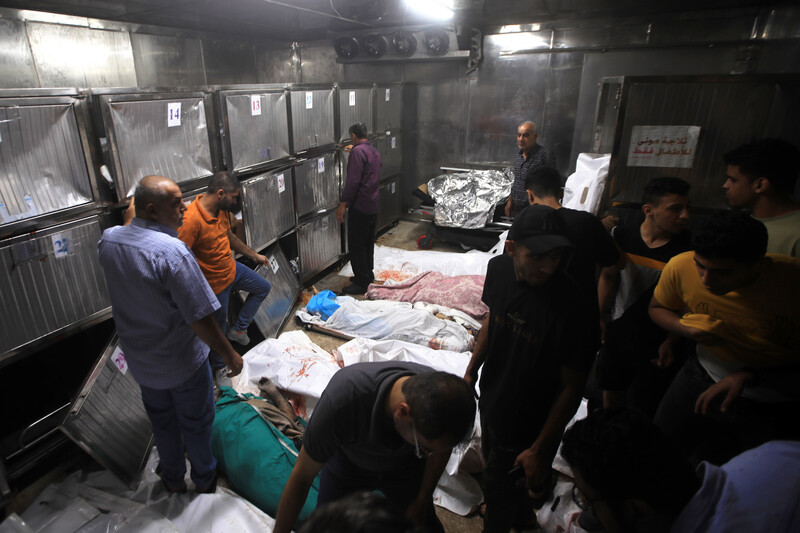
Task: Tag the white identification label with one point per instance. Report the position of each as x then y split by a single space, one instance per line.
281 183
394 143
321 165
273 263
255 104
352 98
118 358
309 100
60 245
173 114
388 94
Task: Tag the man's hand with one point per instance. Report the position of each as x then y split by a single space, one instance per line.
609 221
603 327
703 337
416 512
260 259
666 354
340 212
235 364
471 379
537 470
731 385
348 148
510 207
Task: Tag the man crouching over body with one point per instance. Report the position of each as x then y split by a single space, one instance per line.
387 426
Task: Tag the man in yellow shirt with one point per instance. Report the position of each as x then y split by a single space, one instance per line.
739 305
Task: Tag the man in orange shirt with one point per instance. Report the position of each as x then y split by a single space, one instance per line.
207 232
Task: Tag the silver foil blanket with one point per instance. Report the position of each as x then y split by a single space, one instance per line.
467 199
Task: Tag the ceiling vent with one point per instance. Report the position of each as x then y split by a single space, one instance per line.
398 44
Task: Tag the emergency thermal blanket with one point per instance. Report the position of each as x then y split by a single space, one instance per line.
393 265
584 188
381 319
458 292
255 456
468 199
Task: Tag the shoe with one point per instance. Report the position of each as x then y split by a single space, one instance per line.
221 378
180 489
239 336
211 488
354 289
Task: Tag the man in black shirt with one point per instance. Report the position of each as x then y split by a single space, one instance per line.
632 340
387 426
536 347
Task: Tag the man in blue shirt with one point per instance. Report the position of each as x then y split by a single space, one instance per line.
530 156
634 479
360 194
164 313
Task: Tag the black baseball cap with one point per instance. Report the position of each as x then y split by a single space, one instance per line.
538 228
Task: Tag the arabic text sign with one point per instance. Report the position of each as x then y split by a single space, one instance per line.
663 146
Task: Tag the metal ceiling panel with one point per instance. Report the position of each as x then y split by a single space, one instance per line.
42 163
16 61
278 305
157 134
51 280
107 418
73 56
165 61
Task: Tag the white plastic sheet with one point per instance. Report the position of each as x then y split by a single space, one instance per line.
584 188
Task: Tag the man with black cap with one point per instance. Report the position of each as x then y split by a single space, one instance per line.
536 348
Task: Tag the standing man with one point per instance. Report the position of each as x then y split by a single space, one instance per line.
530 156
360 194
387 426
762 178
740 306
635 362
536 346
164 313
207 233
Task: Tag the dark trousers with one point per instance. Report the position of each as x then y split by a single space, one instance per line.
717 437
361 241
506 504
181 418
340 477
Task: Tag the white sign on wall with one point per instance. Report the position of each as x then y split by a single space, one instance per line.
663 146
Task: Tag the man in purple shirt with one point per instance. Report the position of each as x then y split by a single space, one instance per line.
164 309
360 194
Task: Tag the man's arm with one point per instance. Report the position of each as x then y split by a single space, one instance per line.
207 329
670 320
434 466
607 287
478 354
295 492
239 247
538 459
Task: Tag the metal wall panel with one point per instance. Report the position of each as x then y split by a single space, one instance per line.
355 106
166 61
72 56
390 203
312 126
50 281
278 305
277 64
319 64
316 183
229 62
391 149
703 103
16 61
389 108
143 143
256 138
108 420
42 164
267 207
319 244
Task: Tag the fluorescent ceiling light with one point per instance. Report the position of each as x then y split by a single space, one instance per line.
516 28
432 9
515 42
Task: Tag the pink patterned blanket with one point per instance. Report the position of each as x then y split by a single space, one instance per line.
459 292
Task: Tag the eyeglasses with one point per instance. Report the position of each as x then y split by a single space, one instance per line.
420 453
581 500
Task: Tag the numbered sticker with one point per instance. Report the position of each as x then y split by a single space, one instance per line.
273 263
394 143
388 94
173 114
60 245
321 165
281 183
118 358
255 104
352 98
309 100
